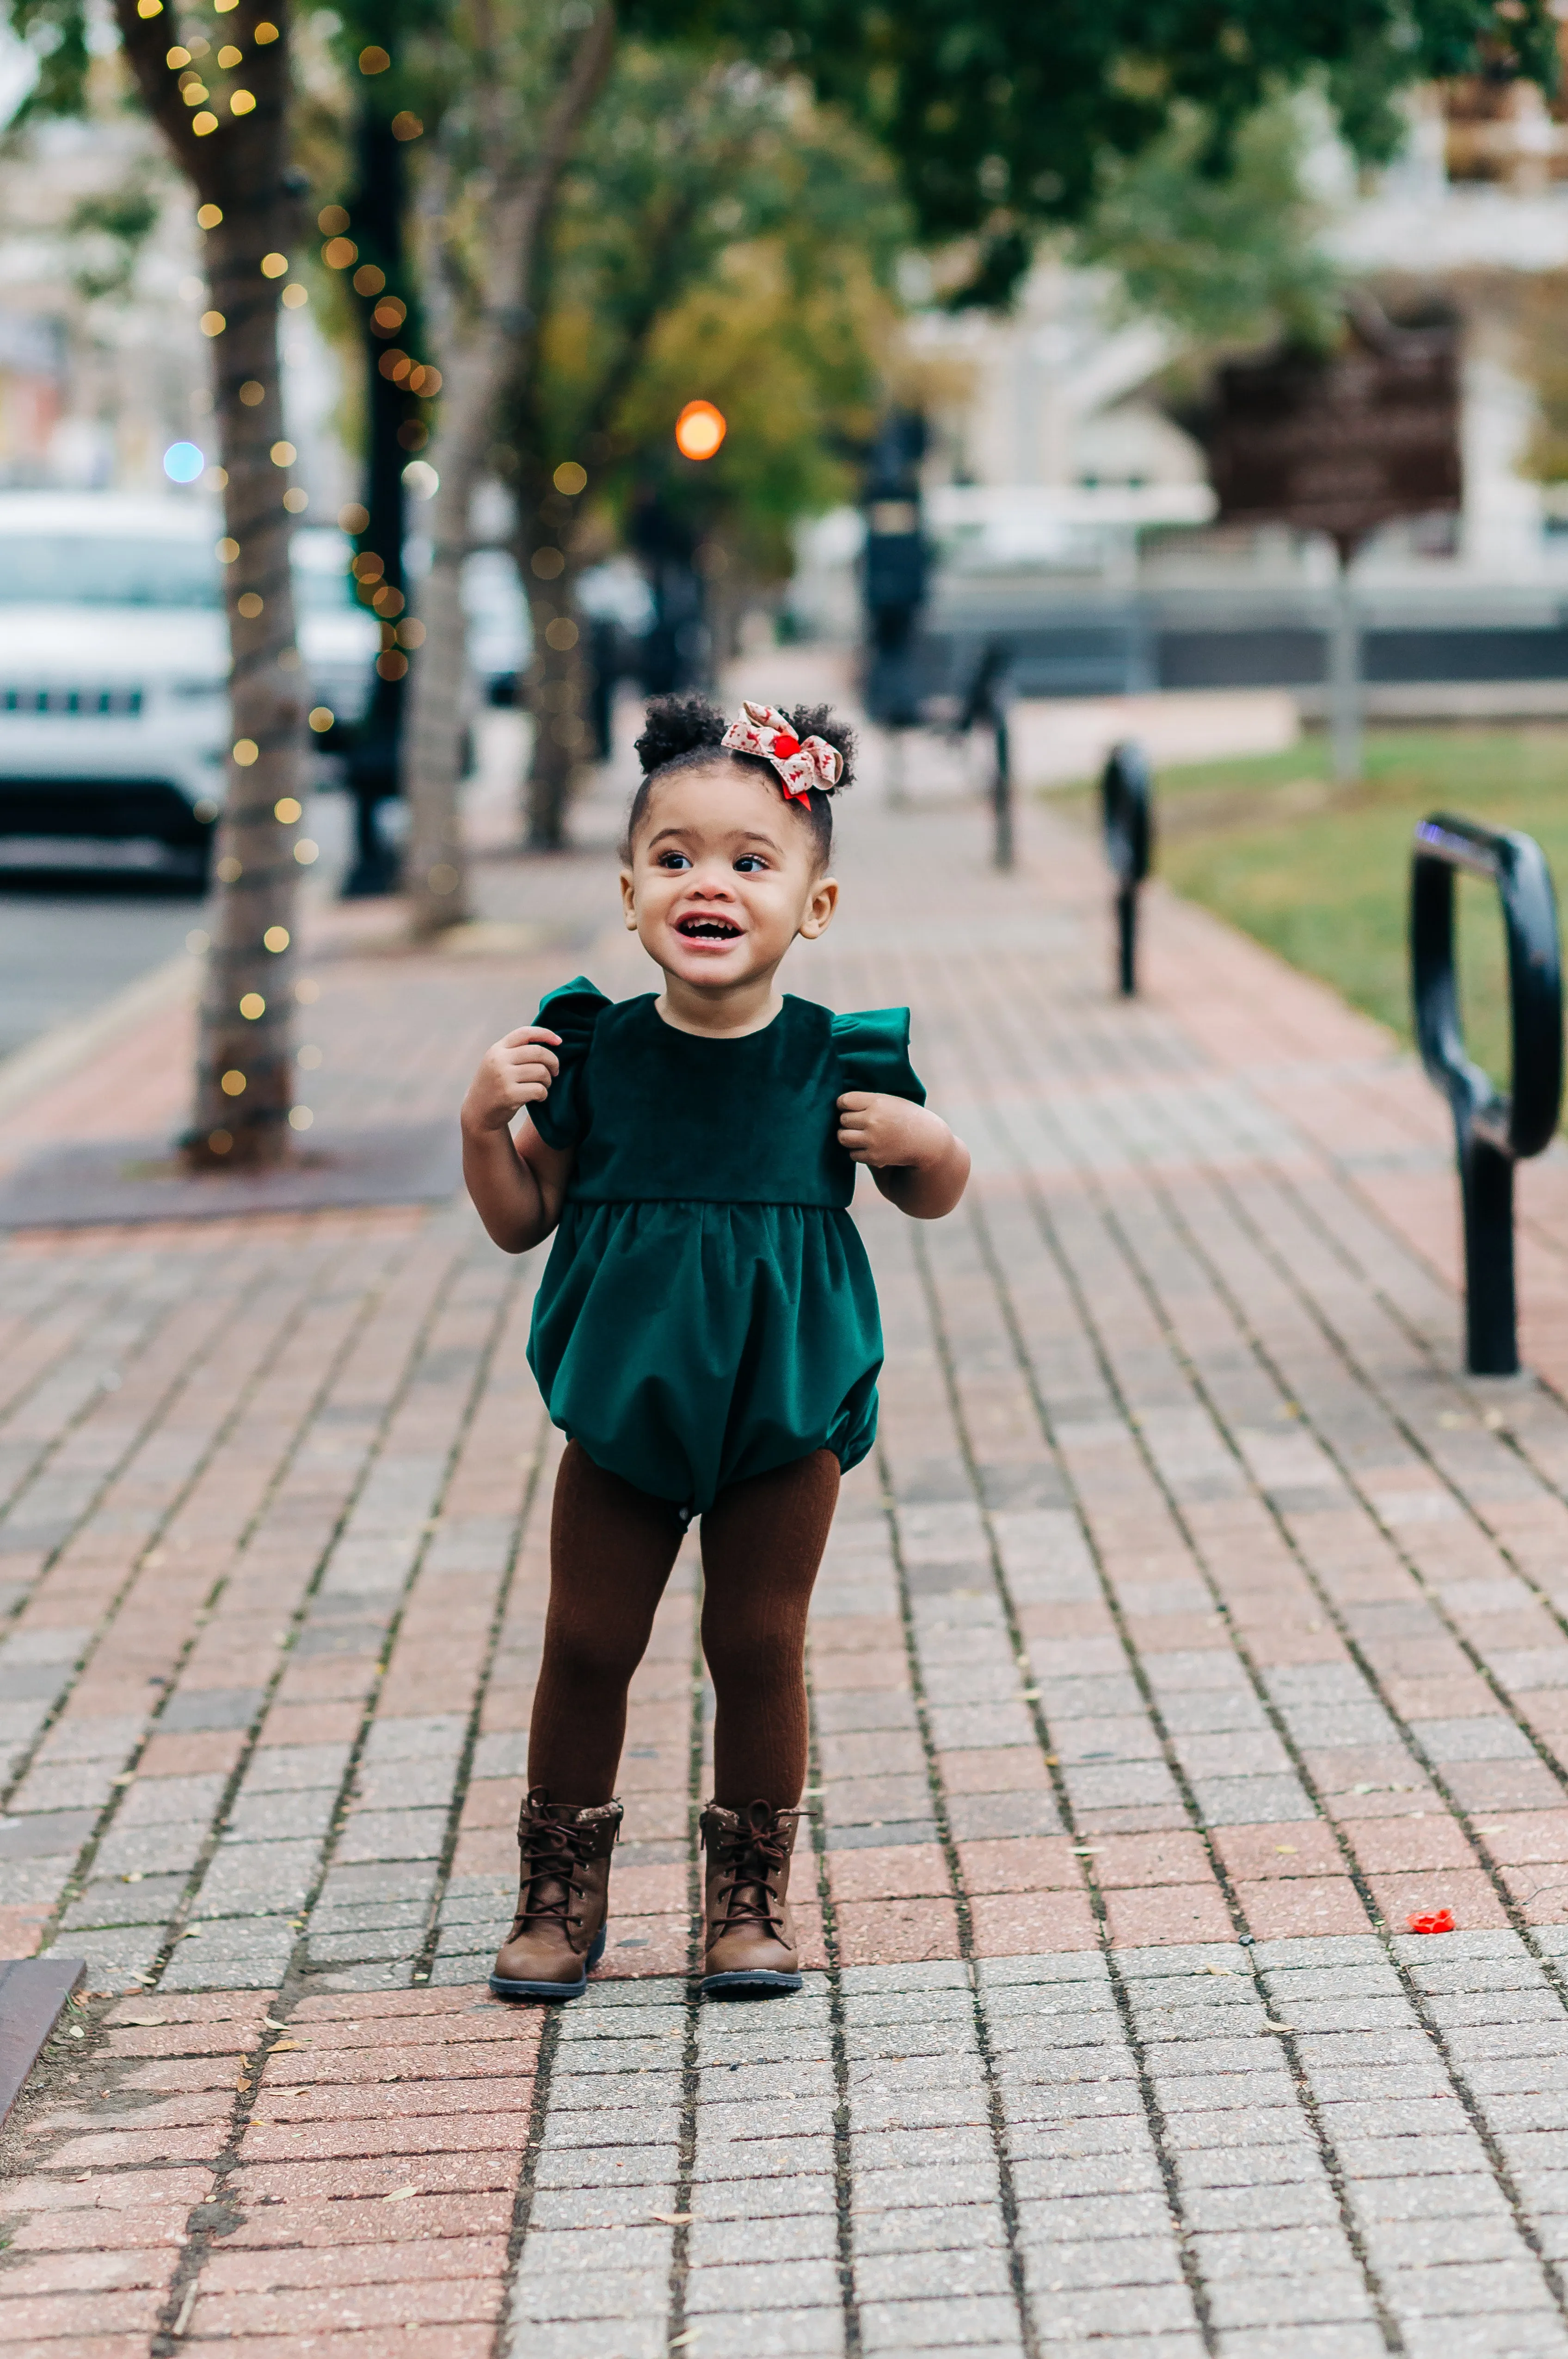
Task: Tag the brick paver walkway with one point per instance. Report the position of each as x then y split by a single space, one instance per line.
1194 1625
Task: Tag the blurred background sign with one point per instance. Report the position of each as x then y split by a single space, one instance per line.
1339 444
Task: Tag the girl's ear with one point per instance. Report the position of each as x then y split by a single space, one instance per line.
628 899
820 907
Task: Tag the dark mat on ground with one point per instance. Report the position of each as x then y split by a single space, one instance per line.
32 1992
139 1179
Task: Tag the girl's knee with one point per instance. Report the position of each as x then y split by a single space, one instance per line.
758 1662
597 1659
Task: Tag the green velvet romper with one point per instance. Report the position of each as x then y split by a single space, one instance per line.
708 1312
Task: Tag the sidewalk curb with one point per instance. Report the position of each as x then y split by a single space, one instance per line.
63 1046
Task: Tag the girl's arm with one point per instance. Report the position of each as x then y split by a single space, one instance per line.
914 1158
517 1184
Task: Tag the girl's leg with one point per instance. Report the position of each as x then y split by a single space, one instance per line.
762 1542
610 1549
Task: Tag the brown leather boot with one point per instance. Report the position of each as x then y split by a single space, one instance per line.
748 1933
563 1898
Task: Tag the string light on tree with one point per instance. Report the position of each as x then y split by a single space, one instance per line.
700 429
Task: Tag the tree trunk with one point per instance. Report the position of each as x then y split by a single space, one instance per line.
558 698
244 1067
231 143
558 674
475 371
394 430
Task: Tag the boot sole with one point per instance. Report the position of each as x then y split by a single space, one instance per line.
502 1988
743 1979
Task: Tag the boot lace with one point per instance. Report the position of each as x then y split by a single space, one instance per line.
749 1861
555 1856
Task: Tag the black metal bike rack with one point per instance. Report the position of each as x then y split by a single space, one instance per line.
1127 808
1492 1132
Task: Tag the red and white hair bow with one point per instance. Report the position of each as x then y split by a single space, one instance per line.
801 763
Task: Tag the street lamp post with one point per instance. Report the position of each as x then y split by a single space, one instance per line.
894 581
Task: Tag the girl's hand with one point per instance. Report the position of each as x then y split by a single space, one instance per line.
517 1071
887 1131
914 1157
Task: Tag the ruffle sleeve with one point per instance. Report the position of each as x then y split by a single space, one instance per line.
873 1048
573 1011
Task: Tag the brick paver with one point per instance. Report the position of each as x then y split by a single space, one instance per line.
1194 1625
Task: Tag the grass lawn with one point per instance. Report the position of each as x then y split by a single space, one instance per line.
1321 874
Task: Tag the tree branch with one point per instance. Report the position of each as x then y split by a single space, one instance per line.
145 40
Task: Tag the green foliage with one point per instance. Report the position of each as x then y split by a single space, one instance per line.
1000 116
720 237
1233 260
999 119
56 32
109 232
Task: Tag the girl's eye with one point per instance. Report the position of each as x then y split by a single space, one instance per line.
673 860
748 861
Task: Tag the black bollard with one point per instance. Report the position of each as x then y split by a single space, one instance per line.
1126 810
988 700
1492 1132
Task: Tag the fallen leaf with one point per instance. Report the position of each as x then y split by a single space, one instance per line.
399 2195
282 2047
1227 1973
673 2219
1270 2025
270 2023
1286 1850
144 2022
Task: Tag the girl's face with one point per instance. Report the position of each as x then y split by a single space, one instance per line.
723 877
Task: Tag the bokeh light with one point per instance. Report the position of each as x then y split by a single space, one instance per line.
700 429
183 462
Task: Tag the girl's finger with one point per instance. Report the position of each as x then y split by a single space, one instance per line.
854 1102
526 1032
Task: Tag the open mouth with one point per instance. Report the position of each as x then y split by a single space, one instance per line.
708 929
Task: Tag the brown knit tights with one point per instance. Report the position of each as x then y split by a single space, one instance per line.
610 1549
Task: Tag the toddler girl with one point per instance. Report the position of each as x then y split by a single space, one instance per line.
706 1331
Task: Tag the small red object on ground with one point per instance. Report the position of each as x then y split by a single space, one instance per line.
1431 1921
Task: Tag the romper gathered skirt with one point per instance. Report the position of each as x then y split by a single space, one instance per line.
708 1312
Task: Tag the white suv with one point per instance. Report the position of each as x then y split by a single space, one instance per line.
114 660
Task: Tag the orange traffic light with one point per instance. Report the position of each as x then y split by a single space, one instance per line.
700 429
